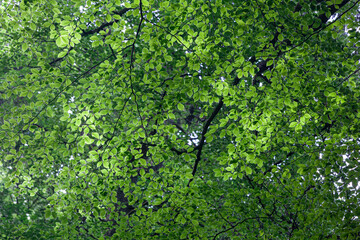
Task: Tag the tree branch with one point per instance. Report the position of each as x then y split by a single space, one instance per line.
202 141
104 25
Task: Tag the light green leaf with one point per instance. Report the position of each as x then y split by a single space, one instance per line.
180 107
298 127
293 124
24 47
62 54
108 18
248 170
142 161
62 41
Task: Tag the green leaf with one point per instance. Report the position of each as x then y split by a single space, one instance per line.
145 3
180 107
231 149
24 47
50 112
281 37
142 134
33 26
248 170
142 161
96 135
108 18
62 41
64 118
47 213
293 124
9 157
62 54
88 140
106 164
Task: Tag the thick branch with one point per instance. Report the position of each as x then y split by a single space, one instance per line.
202 141
104 25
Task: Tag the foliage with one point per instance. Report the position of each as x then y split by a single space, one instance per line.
180 119
23 218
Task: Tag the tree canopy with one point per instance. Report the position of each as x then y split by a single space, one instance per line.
180 119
